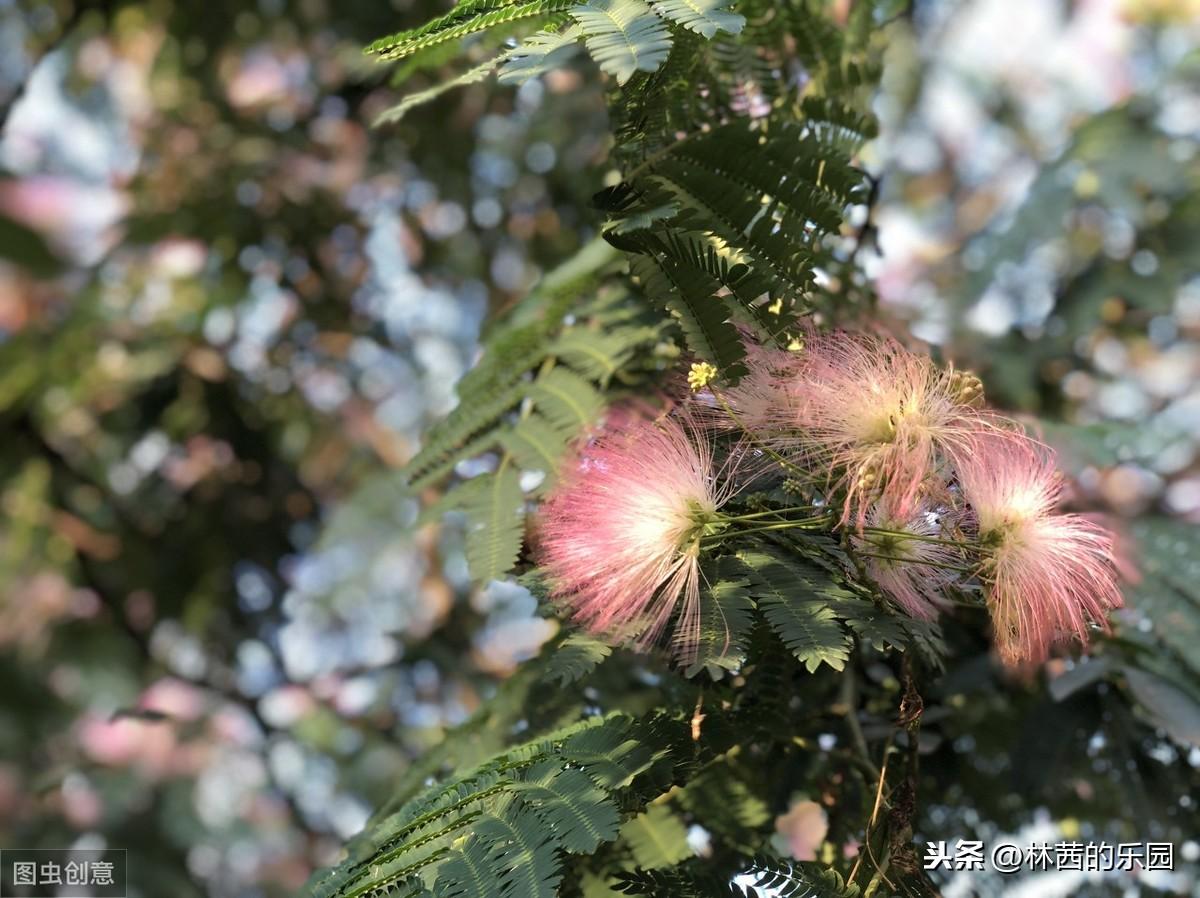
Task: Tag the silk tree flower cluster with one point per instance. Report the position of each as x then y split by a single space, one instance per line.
933 496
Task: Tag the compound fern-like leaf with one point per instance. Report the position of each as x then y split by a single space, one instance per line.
494 507
464 20
539 53
623 36
705 17
575 657
575 809
791 601
657 838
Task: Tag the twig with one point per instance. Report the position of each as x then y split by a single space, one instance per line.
904 803
868 225
698 716
879 868
849 700
868 230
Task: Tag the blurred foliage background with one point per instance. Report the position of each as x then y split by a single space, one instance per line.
228 309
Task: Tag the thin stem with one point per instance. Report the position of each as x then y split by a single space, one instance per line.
905 534
949 567
773 511
849 700
870 852
787 465
811 524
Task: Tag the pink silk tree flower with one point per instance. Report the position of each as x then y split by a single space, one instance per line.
766 394
620 533
882 416
1049 576
912 570
802 830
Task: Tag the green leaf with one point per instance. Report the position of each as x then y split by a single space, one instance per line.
472 76
468 873
726 617
1167 594
448 441
611 754
731 221
772 879
535 444
575 657
809 629
721 801
539 53
465 19
705 17
677 882
1171 708
874 625
623 36
576 810
495 523
657 838
729 268
598 354
703 316
762 879
517 852
635 209
926 638
794 598
1085 672
497 384
415 837
837 124
495 830
566 399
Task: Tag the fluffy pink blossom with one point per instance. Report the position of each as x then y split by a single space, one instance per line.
913 570
1050 576
767 394
880 415
620 533
803 829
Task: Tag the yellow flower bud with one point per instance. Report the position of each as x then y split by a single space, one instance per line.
701 375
